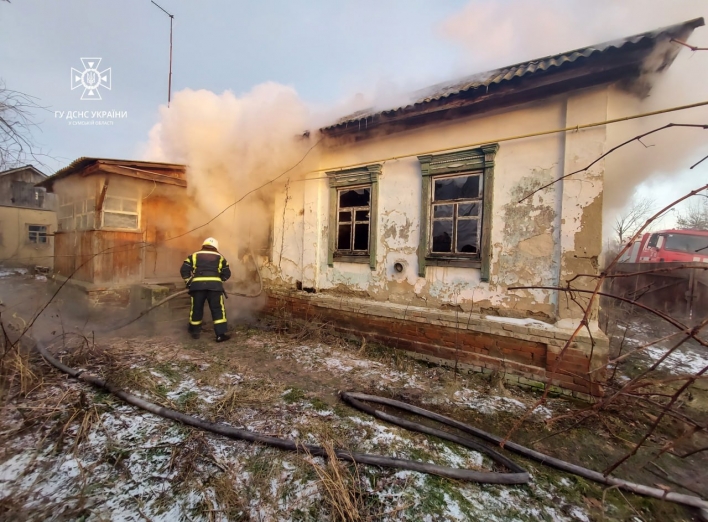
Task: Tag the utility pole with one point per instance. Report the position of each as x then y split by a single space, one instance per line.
169 80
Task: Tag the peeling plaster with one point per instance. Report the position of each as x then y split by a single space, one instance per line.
533 243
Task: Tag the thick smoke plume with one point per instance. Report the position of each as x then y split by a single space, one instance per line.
231 145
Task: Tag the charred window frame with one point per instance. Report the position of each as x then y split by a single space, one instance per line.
457 191
353 201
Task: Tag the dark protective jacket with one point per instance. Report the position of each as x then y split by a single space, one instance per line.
205 270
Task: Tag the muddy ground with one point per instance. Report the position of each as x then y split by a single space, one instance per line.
71 452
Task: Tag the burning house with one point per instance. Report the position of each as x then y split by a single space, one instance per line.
113 219
420 220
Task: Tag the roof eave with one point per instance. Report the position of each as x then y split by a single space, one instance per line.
108 166
636 47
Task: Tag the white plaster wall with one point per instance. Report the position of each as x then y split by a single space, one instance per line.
526 237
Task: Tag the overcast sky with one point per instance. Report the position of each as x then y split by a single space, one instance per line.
327 50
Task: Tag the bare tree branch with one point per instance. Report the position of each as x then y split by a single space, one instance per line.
17 124
628 222
694 215
692 47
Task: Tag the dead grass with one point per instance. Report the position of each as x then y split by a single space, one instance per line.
229 499
253 393
323 429
340 487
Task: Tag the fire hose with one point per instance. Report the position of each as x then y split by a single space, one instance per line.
517 474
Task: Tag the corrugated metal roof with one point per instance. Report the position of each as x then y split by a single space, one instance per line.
485 79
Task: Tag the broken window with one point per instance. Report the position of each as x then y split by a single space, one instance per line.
456 209
37 234
456 213
353 211
352 215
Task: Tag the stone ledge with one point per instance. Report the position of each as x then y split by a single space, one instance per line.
533 359
550 335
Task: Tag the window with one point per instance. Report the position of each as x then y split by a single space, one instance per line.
686 243
456 213
37 234
77 215
456 197
352 231
353 212
120 213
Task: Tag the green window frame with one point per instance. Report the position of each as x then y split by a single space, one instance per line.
447 204
348 215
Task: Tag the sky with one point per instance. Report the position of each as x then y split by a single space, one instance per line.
326 51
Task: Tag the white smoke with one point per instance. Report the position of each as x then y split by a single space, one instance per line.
496 33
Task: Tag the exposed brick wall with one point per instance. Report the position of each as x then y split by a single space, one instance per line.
530 360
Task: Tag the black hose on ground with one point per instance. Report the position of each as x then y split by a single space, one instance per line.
518 476
354 399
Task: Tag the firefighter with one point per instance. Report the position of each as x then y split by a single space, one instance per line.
204 273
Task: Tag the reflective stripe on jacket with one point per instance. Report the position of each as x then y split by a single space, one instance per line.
205 270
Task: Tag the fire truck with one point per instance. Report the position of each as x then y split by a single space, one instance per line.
669 246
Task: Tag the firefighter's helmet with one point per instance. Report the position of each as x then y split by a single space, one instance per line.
210 241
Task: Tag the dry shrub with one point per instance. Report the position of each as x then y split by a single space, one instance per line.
136 379
16 373
322 428
188 457
312 328
340 485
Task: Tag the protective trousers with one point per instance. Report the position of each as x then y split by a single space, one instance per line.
216 305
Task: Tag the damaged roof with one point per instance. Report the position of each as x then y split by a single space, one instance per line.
169 173
486 81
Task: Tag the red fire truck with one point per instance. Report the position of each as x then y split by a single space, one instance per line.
669 246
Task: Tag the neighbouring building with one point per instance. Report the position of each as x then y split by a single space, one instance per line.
421 219
27 219
116 219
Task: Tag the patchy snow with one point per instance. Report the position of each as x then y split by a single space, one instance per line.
6 272
128 466
485 403
518 322
683 360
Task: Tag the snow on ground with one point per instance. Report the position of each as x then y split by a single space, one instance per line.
6 272
135 466
518 322
485 403
682 361
686 359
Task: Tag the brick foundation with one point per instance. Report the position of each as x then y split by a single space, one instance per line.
525 354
